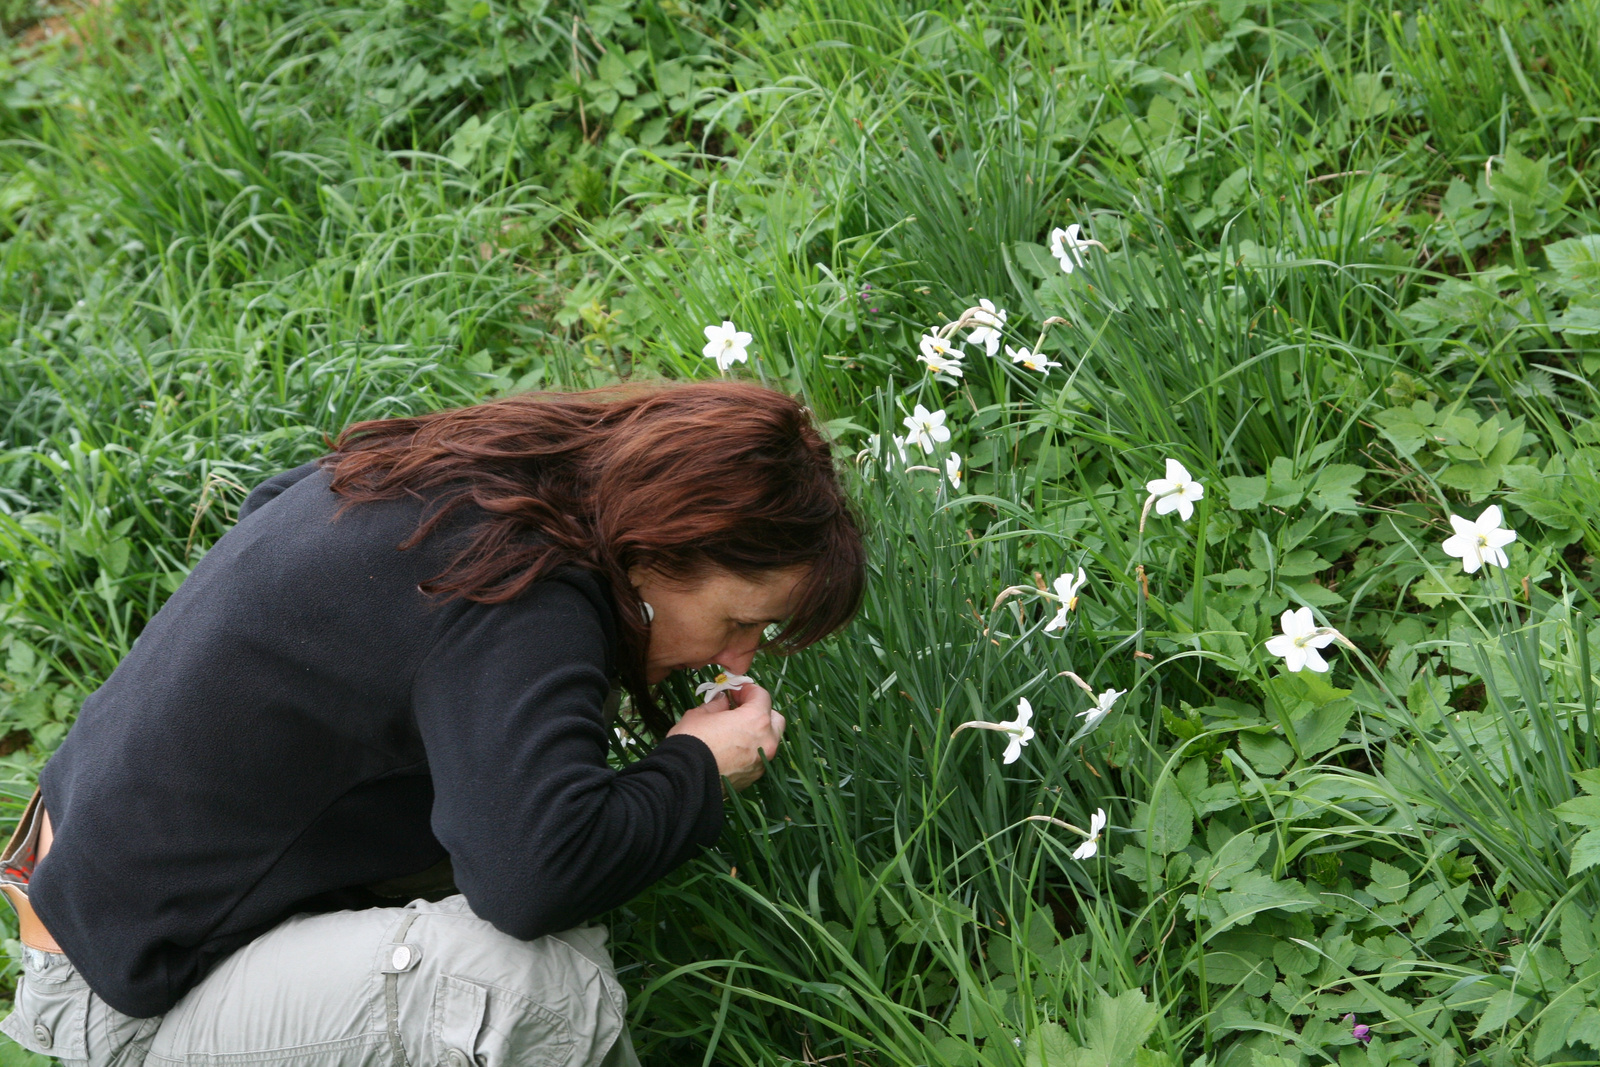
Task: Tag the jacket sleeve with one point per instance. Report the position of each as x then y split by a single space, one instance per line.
542 834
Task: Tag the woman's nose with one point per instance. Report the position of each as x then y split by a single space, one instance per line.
736 660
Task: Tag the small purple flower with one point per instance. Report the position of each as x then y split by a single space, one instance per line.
1360 1031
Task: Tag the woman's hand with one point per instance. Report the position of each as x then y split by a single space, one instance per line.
739 727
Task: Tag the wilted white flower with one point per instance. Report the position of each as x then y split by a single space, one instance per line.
726 345
940 355
1031 360
924 428
1068 247
624 738
1300 640
721 684
1021 733
1176 492
987 321
1477 543
1066 587
1091 844
952 469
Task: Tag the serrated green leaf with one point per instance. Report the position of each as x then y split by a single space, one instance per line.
1267 754
1470 478
1502 1008
1580 811
1585 1029
1245 494
1319 728
1389 883
1166 824
1577 942
1336 487
1049 1046
1553 1026
1586 853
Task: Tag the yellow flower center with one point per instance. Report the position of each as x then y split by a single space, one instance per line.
722 679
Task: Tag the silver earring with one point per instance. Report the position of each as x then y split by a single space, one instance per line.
649 612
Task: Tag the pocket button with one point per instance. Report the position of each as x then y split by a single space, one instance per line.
456 1058
41 1034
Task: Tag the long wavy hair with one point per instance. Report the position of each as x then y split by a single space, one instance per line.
675 478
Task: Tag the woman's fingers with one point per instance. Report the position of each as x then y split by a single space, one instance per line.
740 728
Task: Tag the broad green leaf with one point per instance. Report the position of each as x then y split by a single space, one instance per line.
1580 811
1503 1007
1556 1020
1577 940
1231 966
1578 321
1470 478
1403 429
1166 824
1319 729
1255 892
1049 1046
1244 494
1389 884
1117 1027
1577 263
1267 754
1585 854
1237 855
1294 959
1036 260
1586 1029
1336 487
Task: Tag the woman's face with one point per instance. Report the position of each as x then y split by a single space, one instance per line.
717 617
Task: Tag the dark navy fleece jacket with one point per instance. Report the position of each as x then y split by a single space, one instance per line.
299 719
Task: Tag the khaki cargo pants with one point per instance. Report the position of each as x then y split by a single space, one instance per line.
426 985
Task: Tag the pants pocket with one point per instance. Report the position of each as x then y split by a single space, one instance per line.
476 1025
51 1014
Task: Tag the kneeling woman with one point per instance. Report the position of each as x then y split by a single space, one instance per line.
404 656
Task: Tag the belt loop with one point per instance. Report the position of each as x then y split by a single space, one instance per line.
391 985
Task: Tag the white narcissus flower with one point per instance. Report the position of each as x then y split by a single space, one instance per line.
924 428
952 469
721 684
1031 360
987 321
1067 587
1300 640
1068 247
726 345
874 442
940 355
1091 844
1176 492
1097 714
1477 543
1021 733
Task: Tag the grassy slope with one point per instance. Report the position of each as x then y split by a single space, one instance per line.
1344 283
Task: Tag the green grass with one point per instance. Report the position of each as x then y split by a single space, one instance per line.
1351 279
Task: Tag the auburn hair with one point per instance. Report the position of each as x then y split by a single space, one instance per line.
675 478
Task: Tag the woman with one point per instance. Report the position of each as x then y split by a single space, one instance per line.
401 658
